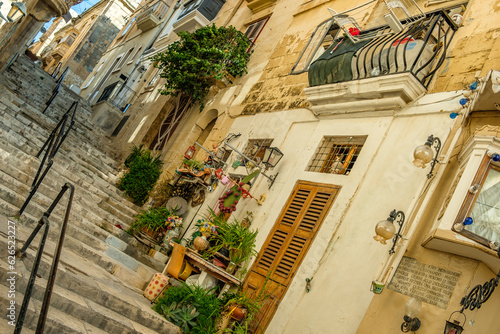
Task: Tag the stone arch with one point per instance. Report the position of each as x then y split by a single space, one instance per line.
206 118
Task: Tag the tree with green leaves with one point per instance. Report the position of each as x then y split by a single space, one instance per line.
195 62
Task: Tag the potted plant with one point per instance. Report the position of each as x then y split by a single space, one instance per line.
239 240
153 222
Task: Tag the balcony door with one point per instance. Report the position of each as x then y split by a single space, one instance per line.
286 247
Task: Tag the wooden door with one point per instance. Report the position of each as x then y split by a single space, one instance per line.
286 246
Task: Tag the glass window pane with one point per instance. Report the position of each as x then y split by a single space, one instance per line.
486 210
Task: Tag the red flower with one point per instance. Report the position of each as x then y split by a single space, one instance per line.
354 31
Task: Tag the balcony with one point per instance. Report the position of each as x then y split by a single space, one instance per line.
114 101
197 14
152 15
60 50
377 69
259 5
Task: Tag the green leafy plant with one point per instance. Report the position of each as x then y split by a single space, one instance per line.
238 239
192 63
208 308
192 163
185 318
144 171
154 219
196 61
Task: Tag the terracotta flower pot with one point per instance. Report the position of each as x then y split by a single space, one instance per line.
237 313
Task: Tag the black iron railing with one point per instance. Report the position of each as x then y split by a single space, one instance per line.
56 70
419 49
51 146
55 91
44 221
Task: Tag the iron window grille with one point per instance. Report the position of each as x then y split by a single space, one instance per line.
336 155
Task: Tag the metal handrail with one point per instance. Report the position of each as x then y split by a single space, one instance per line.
56 70
55 91
55 262
52 145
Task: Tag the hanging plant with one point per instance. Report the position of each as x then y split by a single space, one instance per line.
227 203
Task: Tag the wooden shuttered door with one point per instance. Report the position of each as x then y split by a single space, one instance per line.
287 244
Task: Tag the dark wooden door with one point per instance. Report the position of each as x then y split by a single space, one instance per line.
286 246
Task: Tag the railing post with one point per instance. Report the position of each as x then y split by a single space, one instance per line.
55 261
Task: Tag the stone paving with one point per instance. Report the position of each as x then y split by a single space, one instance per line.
103 270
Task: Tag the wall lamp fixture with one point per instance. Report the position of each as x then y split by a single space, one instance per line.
423 154
412 310
272 156
17 11
386 230
453 326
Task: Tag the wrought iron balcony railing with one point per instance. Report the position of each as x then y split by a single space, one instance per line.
420 49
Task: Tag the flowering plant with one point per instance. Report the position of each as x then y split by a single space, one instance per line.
207 228
354 31
173 222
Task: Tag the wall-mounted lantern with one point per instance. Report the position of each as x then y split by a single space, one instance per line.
453 326
423 154
386 230
189 154
17 11
272 156
412 311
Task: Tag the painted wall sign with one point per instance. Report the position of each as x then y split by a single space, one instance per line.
430 284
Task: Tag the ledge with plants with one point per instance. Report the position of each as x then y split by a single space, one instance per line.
151 226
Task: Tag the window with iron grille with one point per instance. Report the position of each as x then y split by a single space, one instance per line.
336 155
256 147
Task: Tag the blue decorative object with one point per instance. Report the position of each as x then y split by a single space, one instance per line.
495 157
473 86
453 115
464 101
468 221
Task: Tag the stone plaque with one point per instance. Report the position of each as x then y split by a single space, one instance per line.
428 283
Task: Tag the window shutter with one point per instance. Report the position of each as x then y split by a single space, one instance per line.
286 246
253 31
294 231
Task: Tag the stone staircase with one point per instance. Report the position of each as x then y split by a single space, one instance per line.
103 270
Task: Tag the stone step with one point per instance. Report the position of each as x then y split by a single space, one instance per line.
103 254
83 126
57 322
75 306
95 190
88 232
30 137
79 280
